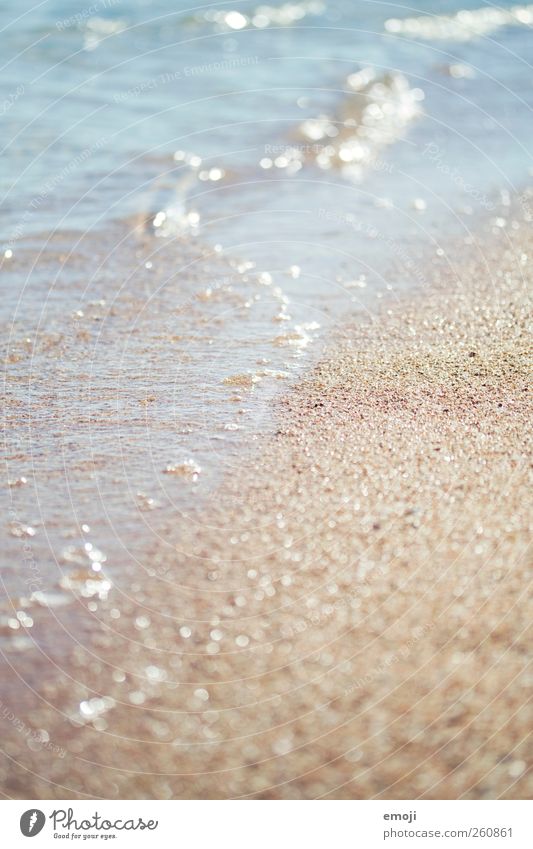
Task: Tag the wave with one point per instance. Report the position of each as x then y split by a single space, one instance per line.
463 25
375 114
263 16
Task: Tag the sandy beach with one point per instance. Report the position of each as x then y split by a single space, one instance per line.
348 619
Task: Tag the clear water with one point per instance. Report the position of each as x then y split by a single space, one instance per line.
98 97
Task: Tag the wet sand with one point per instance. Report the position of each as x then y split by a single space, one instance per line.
350 619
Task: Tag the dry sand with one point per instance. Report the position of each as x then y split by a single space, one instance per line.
350 621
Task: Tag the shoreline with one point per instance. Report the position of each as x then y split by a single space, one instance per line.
350 620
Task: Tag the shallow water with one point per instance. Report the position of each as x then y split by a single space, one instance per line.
193 201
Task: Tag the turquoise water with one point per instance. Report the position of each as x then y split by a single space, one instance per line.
97 97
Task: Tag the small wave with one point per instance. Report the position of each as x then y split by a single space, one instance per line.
97 29
263 16
375 114
165 210
463 25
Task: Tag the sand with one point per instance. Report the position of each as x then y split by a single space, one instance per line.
352 617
